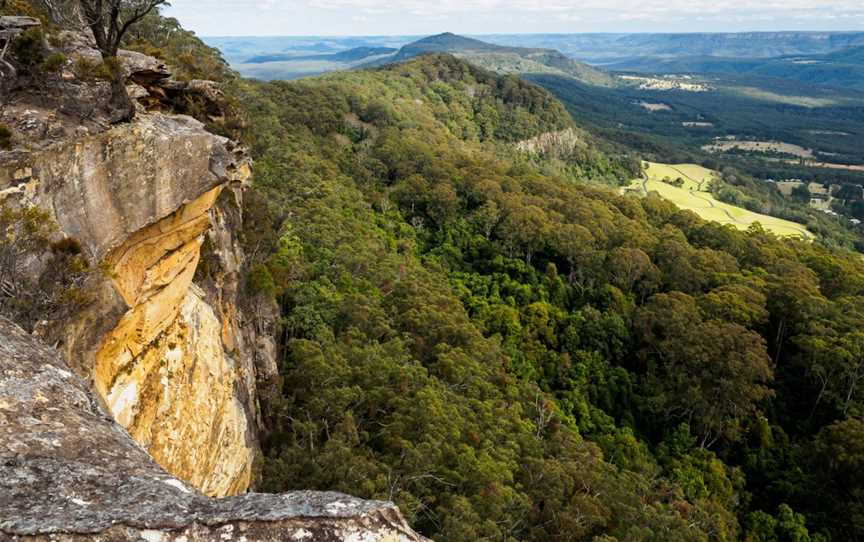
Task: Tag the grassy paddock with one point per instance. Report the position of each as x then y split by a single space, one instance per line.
694 196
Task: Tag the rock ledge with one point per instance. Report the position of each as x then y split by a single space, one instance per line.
69 472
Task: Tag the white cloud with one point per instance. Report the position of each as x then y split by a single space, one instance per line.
308 17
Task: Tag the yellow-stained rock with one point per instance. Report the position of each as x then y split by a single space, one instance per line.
163 371
153 256
170 362
177 400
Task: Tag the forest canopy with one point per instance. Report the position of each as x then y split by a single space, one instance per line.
510 350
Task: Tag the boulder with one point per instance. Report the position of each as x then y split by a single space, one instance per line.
143 69
15 22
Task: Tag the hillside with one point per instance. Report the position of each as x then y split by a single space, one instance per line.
467 313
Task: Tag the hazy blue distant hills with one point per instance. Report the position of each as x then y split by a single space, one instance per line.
290 58
843 68
351 55
606 48
850 55
238 49
595 48
820 58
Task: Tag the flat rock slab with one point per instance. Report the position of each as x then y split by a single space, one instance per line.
18 22
69 472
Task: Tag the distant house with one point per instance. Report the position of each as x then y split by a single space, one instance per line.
820 193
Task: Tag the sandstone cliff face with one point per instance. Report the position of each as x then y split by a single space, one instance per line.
164 371
69 473
552 144
169 360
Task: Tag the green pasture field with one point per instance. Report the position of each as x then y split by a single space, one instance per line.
695 196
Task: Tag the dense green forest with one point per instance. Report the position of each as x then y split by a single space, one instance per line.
511 350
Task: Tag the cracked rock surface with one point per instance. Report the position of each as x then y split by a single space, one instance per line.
69 472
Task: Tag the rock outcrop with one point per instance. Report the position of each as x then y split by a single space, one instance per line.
145 406
10 28
552 144
174 363
138 198
68 472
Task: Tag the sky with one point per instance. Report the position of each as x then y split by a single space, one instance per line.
423 17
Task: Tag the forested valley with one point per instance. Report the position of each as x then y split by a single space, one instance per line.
512 351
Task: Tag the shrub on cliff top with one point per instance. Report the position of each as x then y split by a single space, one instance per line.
39 279
5 137
89 70
28 49
54 62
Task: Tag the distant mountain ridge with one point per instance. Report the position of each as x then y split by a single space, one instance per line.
503 59
350 55
450 43
609 48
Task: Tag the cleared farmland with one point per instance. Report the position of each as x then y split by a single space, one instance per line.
759 146
693 195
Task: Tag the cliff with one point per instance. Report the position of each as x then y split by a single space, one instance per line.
122 419
69 473
174 363
552 144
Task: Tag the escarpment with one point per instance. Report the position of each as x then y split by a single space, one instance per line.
174 363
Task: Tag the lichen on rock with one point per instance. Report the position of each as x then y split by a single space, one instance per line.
68 472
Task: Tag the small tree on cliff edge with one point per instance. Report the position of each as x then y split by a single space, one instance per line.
109 20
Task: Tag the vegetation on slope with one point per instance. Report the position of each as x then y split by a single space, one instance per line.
512 354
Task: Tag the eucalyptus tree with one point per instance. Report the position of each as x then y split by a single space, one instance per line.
109 21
